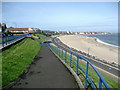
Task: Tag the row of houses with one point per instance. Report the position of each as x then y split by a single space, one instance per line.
37 30
3 28
23 30
94 33
83 33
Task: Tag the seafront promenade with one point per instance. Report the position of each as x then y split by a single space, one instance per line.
59 45
47 72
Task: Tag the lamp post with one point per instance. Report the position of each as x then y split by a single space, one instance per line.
88 51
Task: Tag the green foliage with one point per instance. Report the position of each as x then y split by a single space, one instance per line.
17 58
17 33
0 69
45 34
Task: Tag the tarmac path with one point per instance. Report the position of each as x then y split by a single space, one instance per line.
47 72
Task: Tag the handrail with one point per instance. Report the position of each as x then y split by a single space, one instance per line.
11 39
101 80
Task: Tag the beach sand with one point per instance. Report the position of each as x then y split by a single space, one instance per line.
99 50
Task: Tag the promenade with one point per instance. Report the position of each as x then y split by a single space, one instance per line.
47 72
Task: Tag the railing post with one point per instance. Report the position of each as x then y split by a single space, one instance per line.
59 52
51 47
54 49
77 65
100 84
71 59
65 55
6 40
86 82
62 53
2 41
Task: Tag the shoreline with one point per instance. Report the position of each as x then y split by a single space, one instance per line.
100 41
91 46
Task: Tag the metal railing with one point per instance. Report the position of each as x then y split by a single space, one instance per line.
64 53
11 39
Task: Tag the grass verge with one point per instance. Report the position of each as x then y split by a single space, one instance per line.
16 59
41 37
0 70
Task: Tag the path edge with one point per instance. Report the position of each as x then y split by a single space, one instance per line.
79 82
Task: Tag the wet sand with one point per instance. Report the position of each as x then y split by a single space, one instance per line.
89 44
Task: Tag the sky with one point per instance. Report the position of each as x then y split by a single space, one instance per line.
62 16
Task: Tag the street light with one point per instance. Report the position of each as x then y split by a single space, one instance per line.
88 50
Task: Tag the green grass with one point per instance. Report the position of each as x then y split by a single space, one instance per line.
92 74
0 69
0 40
42 37
16 59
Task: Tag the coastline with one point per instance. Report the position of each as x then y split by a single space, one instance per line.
100 41
92 46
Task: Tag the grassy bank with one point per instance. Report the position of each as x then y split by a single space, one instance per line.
0 69
91 72
40 36
17 58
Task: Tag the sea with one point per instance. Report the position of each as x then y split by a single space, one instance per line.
108 39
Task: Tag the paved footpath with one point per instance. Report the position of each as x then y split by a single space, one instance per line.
47 72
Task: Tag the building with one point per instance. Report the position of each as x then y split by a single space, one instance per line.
34 30
49 31
23 30
18 30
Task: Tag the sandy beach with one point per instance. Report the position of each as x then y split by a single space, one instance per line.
99 50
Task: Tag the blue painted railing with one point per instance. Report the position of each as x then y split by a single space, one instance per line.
59 51
11 39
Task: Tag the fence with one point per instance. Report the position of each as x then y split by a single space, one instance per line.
11 39
67 54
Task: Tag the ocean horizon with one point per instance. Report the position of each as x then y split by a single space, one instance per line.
108 39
